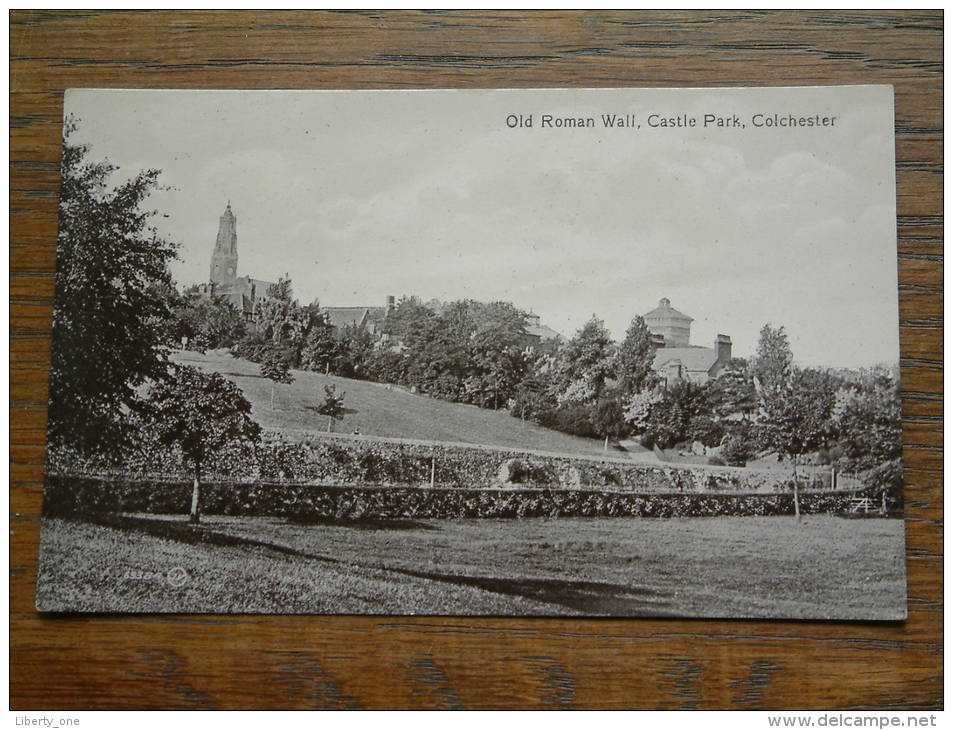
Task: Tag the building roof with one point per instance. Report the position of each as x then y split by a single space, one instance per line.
693 359
240 301
665 310
542 332
261 286
342 317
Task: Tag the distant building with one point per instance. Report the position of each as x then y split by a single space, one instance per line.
246 293
243 292
676 359
370 318
538 336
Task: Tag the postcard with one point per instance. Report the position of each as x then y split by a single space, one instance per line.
544 352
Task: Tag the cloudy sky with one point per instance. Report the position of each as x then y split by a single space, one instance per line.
358 195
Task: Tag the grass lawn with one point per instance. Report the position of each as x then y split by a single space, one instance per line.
758 567
376 409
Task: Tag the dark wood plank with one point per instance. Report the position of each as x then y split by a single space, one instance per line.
352 662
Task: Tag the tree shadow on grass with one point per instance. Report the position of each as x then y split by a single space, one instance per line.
382 523
585 597
191 533
344 411
240 375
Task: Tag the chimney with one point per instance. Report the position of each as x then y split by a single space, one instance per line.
390 302
723 348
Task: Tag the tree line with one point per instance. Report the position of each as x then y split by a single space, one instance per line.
587 385
118 316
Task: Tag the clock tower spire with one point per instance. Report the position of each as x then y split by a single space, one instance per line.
225 256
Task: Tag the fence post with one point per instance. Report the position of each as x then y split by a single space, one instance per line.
433 469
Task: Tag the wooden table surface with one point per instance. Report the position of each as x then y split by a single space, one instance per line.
104 662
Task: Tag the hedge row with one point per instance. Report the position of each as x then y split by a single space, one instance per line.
366 462
72 496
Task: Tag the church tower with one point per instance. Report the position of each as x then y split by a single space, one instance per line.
225 256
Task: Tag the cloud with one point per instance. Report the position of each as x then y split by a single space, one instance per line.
360 195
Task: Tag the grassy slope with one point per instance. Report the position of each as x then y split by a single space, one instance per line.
822 567
375 409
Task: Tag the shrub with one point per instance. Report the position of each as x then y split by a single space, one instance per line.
706 430
342 460
95 497
736 450
888 477
571 418
602 477
520 471
250 347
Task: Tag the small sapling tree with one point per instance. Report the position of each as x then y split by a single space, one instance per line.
333 405
201 413
275 367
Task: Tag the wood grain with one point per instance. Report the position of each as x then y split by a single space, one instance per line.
357 662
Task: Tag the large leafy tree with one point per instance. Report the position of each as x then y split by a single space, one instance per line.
280 323
867 416
323 351
385 366
207 322
408 320
733 391
638 410
281 291
109 327
683 413
796 416
502 317
531 398
356 345
490 337
437 362
462 351
773 359
279 319
200 413
585 363
635 358
499 362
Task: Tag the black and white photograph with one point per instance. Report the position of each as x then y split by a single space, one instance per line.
563 352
